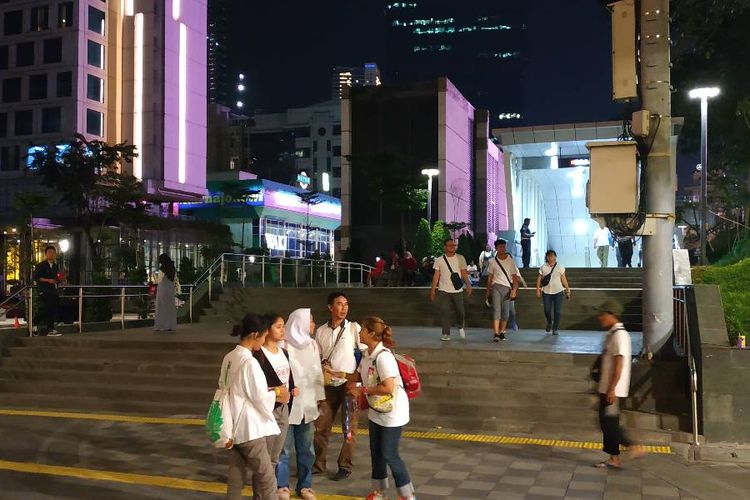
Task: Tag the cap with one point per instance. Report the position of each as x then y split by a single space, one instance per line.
610 307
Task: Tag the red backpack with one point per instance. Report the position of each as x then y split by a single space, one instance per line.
407 367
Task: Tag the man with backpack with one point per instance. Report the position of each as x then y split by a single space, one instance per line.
448 283
339 344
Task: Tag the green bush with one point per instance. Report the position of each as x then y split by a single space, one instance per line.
737 252
422 241
735 293
439 234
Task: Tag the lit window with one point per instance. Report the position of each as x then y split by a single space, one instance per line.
39 20
65 15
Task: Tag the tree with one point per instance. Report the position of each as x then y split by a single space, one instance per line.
87 175
422 241
439 235
26 205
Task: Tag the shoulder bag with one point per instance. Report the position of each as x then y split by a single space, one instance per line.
458 282
548 277
327 377
507 278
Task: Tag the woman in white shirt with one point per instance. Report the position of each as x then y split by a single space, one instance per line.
380 376
552 293
251 405
307 371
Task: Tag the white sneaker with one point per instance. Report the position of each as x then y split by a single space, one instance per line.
445 338
54 333
462 333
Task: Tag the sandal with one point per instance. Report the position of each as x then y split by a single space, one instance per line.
607 465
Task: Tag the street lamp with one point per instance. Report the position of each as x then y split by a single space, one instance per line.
704 94
430 173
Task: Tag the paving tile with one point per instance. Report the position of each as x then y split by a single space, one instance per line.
518 480
478 485
547 491
661 491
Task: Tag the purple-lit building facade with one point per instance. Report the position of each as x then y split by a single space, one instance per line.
427 125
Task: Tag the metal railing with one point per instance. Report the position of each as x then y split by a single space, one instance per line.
683 342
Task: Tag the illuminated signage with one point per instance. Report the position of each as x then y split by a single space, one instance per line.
276 242
303 180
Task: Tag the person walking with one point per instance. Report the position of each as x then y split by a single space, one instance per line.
274 361
379 376
251 405
502 287
602 243
526 236
614 384
47 275
304 358
484 263
338 342
165 315
625 244
552 286
448 284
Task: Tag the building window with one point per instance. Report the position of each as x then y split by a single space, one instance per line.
9 158
3 124
94 122
328 163
3 57
95 88
38 87
337 151
337 130
315 164
328 145
302 132
315 146
24 122
65 84
24 54
39 18
51 120
337 172
52 51
96 54
13 22
96 20
11 90
65 15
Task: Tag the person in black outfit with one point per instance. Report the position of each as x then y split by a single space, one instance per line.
526 236
46 277
625 244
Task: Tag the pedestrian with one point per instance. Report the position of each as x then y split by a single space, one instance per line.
448 283
251 404
552 286
625 244
47 276
338 340
304 358
165 315
484 263
614 384
526 236
379 270
274 361
379 376
502 287
602 244
409 265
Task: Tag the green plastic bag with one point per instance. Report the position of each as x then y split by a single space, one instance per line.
215 418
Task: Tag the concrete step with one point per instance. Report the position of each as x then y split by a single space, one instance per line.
92 404
46 352
123 378
95 367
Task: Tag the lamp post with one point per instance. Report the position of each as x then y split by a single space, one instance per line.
430 173
704 94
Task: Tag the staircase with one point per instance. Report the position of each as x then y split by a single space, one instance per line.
545 395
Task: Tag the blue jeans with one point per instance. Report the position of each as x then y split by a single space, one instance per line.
384 443
553 308
300 438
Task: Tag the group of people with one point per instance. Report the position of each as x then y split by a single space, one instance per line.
395 270
624 246
287 381
451 282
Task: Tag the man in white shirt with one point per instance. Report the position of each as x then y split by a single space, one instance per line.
502 286
338 340
450 267
614 383
602 244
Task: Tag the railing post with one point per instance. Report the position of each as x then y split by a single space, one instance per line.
80 309
281 272
221 271
244 270
337 267
325 274
349 273
30 311
210 286
190 303
312 275
296 273
263 271
122 308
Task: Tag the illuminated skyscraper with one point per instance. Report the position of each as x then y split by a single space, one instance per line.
219 81
479 45
360 76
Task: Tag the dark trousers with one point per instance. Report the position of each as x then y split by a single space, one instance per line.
526 252
626 251
50 303
552 308
335 401
446 303
609 420
384 443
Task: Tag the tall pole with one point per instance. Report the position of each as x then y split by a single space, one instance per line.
429 199
658 316
704 177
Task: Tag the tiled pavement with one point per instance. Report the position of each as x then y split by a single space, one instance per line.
440 469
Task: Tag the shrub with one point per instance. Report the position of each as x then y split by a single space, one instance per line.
439 235
422 241
735 293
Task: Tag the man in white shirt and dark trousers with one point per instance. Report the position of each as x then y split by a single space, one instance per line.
602 244
338 340
448 283
614 383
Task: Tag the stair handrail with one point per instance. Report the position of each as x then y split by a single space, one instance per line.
682 336
15 294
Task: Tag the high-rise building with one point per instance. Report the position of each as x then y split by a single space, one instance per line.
131 71
219 82
478 45
359 76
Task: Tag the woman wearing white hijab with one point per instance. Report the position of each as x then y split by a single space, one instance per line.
304 359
